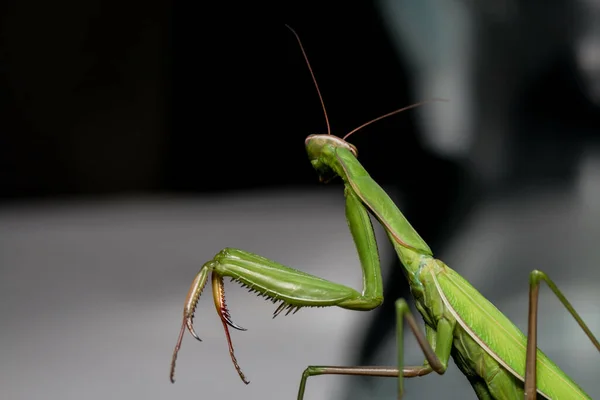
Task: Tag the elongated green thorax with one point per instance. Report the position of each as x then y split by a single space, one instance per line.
331 155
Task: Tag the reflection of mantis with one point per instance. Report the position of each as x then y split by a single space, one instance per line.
499 361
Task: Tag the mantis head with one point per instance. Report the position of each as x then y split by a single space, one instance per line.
321 153
321 148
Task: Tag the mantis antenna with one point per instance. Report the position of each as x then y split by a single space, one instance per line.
313 77
323 103
420 103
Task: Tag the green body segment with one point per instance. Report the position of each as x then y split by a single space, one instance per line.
499 337
380 203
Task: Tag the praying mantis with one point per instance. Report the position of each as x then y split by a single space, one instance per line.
499 361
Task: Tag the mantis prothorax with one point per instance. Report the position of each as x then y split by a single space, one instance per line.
499 361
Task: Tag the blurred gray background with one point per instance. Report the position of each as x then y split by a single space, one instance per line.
139 139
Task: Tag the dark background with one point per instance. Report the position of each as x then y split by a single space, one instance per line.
107 97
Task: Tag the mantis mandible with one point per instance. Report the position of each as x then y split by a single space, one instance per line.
499 361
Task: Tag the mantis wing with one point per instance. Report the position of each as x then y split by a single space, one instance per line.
499 337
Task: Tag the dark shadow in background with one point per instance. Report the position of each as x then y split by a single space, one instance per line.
84 97
101 97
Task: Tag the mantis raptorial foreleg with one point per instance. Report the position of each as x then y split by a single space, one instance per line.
291 288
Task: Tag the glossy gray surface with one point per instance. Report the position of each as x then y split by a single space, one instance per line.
91 293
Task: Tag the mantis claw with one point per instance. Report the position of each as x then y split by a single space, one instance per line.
190 326
190 307
188 316
223 311
233 324
220 304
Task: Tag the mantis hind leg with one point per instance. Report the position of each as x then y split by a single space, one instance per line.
535 278
436 357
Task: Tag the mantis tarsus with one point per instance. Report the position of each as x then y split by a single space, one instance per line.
499 361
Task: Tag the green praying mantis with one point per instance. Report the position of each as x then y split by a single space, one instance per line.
499 361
